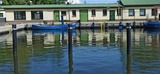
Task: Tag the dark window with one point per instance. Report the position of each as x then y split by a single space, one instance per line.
73 13
93 13
19 15
119 11
36 15
154 12
131 12
104 12
63 13
142 12
1 14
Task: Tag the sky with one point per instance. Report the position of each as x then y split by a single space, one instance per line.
98 1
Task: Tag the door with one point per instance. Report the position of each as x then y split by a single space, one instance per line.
56 16
112 15
84 15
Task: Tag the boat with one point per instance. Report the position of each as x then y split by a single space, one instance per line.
152 24
52 27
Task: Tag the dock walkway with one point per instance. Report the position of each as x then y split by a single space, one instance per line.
4 28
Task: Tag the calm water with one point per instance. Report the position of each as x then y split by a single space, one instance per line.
95 52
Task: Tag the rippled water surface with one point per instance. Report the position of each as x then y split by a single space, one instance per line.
94 52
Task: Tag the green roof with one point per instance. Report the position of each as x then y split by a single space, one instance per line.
140 2
63 6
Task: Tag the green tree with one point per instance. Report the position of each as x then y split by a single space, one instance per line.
5 2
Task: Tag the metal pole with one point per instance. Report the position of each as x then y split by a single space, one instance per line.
14 38
69 38
70 48
128 65
128 27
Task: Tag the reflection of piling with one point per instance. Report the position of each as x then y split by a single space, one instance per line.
128 65
70 48
128 27
14 37
70 63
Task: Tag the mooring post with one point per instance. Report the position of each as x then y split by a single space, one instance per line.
106 27
62 20
69 38
120 26
79 21
92 26
70 61
128 65
134 24
14 38
128 27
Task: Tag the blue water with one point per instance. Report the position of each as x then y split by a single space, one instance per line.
93 53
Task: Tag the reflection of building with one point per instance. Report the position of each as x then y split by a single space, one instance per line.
123 10
40 48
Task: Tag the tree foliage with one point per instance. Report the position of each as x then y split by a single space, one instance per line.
34 2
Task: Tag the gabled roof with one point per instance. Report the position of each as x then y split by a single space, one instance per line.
140 2
101 5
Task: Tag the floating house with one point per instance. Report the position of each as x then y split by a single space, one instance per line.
123 10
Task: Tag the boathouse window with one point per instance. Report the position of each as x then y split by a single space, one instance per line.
73 13
104 12
1 14
19 15
154 12
36 15
63 13
142 12
131 12
119 11
93 13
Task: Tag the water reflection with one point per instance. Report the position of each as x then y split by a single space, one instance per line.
93 52
15 58
70 61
